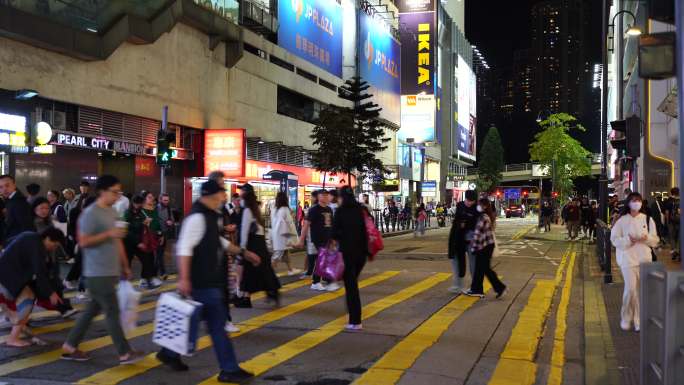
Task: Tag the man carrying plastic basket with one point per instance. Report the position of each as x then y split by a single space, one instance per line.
202 266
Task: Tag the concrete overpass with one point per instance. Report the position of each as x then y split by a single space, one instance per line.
520 172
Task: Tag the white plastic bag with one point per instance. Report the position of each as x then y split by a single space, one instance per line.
176 323
129 298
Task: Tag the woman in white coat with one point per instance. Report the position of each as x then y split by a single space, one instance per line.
283 232
633 235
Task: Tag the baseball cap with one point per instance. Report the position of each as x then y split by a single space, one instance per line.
210 187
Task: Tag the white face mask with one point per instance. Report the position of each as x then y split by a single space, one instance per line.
242 203
479 209
635 205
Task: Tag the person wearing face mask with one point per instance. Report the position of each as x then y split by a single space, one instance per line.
633 235
460 235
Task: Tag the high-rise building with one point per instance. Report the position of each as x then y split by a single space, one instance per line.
559 56
522 81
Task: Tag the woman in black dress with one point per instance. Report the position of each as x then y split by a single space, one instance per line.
349 232
252 238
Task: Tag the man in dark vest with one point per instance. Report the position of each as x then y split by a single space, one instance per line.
203 274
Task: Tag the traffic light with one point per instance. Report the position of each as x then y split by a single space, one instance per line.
555 194
525 193
164 153
498 194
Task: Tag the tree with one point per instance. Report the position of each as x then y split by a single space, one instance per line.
491 161
561 153
349 138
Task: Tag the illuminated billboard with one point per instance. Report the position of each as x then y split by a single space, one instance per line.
380 65
467 115
417 53
224 150
417 118
312 30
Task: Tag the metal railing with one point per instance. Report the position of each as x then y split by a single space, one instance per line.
662 318
604 250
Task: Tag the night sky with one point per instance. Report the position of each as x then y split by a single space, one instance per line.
499 27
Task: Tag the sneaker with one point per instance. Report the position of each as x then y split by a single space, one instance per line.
455 290
155 282
237 376
352 327
501 293
70 261
318 287
637 328
333 287
70 285
304 276
471 293
626 326
231 328
143 284
82 296
173 363
76 355
69 313
132 357
293 272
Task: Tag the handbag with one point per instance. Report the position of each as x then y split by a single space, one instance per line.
286 227
128 299
176 323
330 264
60 226
150 240
375 243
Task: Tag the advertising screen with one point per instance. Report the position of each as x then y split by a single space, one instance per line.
417 118
312 30
417 53
417 160
380 65
224 150
467 145
415 5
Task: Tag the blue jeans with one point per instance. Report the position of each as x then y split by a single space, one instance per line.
215 315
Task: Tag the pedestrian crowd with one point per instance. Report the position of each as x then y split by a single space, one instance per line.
223 254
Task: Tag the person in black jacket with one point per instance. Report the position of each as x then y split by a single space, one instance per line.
462 227
18 216
349 233
23 275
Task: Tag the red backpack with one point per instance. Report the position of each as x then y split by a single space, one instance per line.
375 243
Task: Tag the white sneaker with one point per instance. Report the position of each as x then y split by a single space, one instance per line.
142 284
318 287
455 290
625 325
293 272
637 328
156 282
70 285
333 287
352 327
82 296
231 328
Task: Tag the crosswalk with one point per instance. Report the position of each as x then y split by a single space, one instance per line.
309 323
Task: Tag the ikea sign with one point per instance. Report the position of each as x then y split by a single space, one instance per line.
312 30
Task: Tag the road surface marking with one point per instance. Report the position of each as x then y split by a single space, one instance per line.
522 233
98 343
120 373
272 358
516 364
391 366
558 352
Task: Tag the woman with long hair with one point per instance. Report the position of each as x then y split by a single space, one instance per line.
139 223
283 232
349 232
482 245
634 234
421 218
252 238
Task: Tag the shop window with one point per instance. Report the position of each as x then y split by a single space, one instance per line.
298 106
307 75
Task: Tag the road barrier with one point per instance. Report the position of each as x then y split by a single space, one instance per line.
662 318
603 250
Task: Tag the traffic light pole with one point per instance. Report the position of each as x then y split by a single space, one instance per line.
603 179
162 168
679 22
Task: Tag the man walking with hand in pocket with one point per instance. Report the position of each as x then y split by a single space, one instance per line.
202 262
104 259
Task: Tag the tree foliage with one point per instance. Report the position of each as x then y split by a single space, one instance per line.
349 139
553 147
491 161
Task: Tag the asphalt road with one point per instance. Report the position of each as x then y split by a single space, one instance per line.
415 331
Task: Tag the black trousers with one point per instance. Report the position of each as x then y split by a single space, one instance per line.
146 260
75 270
483 268
311 264
353 264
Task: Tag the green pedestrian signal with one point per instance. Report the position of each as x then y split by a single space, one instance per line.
164 152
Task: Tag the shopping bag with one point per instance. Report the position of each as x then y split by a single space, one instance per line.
176 323
330 265
128 298
375 243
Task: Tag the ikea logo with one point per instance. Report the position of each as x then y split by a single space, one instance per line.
424 53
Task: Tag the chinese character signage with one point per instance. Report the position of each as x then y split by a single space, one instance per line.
380 64
417 53
145 166
417 118
224 150
312 30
